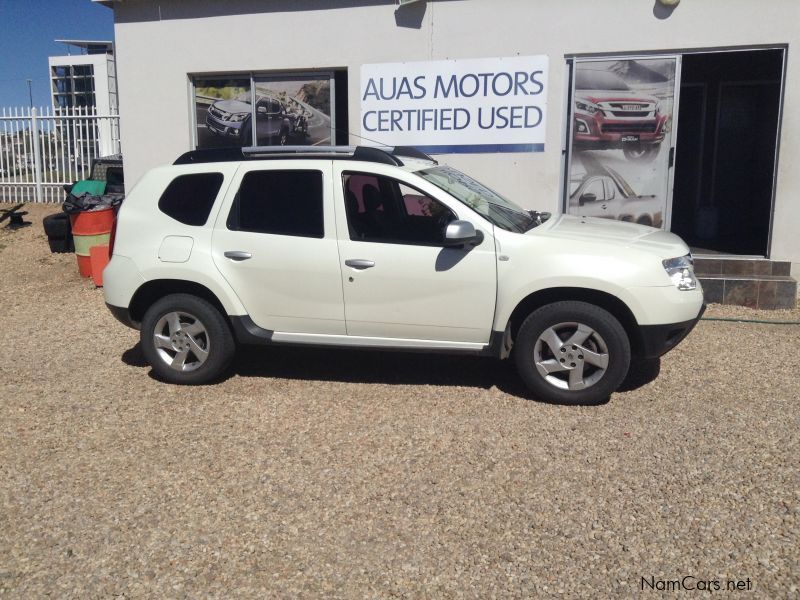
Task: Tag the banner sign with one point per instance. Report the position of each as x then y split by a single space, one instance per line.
456 106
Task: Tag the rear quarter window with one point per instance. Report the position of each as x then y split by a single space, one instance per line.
189 198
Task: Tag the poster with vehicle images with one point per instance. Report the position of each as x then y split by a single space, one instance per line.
223 112
621 138
293 111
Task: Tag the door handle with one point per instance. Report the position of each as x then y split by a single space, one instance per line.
359 263
238 255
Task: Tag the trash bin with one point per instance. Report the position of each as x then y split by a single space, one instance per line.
90 228
91 213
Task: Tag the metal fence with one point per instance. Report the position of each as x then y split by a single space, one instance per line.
43 149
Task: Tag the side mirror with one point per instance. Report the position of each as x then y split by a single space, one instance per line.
262 110
461 233
589 197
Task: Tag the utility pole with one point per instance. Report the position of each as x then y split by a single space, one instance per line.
30 93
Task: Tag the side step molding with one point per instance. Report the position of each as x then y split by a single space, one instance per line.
247 332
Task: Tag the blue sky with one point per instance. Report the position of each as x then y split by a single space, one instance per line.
27 31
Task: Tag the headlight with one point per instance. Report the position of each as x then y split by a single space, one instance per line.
658 107
588 107
681 272
239 117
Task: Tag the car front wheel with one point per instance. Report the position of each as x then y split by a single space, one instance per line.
186 340
572 353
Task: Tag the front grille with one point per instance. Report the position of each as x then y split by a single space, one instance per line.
629 113
629 106
629 128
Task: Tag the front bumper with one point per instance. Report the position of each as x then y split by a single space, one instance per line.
657 340
602 131
224 128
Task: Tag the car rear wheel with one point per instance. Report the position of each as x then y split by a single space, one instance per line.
572 353
186 340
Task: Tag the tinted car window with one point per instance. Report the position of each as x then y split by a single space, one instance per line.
189 198
587 79
280 203
381 209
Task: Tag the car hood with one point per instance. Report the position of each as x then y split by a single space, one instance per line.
233 106
613 96
618 233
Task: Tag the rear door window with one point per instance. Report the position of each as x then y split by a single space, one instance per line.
279 203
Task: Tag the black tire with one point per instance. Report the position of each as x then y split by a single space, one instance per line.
216 338
57 225
608 339
246 137
60 245
641 152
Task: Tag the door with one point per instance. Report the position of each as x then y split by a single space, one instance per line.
275 243
727 150
622 119
399 279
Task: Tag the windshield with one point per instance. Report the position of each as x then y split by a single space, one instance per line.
501 212
588 79
623 185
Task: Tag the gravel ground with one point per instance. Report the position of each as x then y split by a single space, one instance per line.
353 474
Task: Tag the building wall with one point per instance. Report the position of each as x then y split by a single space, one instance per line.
158 43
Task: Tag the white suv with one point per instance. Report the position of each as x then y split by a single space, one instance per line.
387 249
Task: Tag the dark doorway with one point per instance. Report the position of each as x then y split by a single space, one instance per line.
725 154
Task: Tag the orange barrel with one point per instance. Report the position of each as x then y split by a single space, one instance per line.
100 258
90 228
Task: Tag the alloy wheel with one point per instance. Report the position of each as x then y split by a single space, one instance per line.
181 341
571 356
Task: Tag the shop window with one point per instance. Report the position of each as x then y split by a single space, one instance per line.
279 203
267 110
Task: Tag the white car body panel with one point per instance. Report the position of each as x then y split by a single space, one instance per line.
291 283
416 291
596 254
142 228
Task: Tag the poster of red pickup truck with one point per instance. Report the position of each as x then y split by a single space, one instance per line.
621 138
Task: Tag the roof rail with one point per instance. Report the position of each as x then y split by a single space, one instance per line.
377 154
270 150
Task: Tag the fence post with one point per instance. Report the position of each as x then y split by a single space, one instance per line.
37 156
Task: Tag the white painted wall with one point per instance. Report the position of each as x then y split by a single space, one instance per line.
159 42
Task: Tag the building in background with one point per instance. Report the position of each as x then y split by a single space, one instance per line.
87 81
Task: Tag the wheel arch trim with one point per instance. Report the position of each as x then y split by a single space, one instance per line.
612 303
155 289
